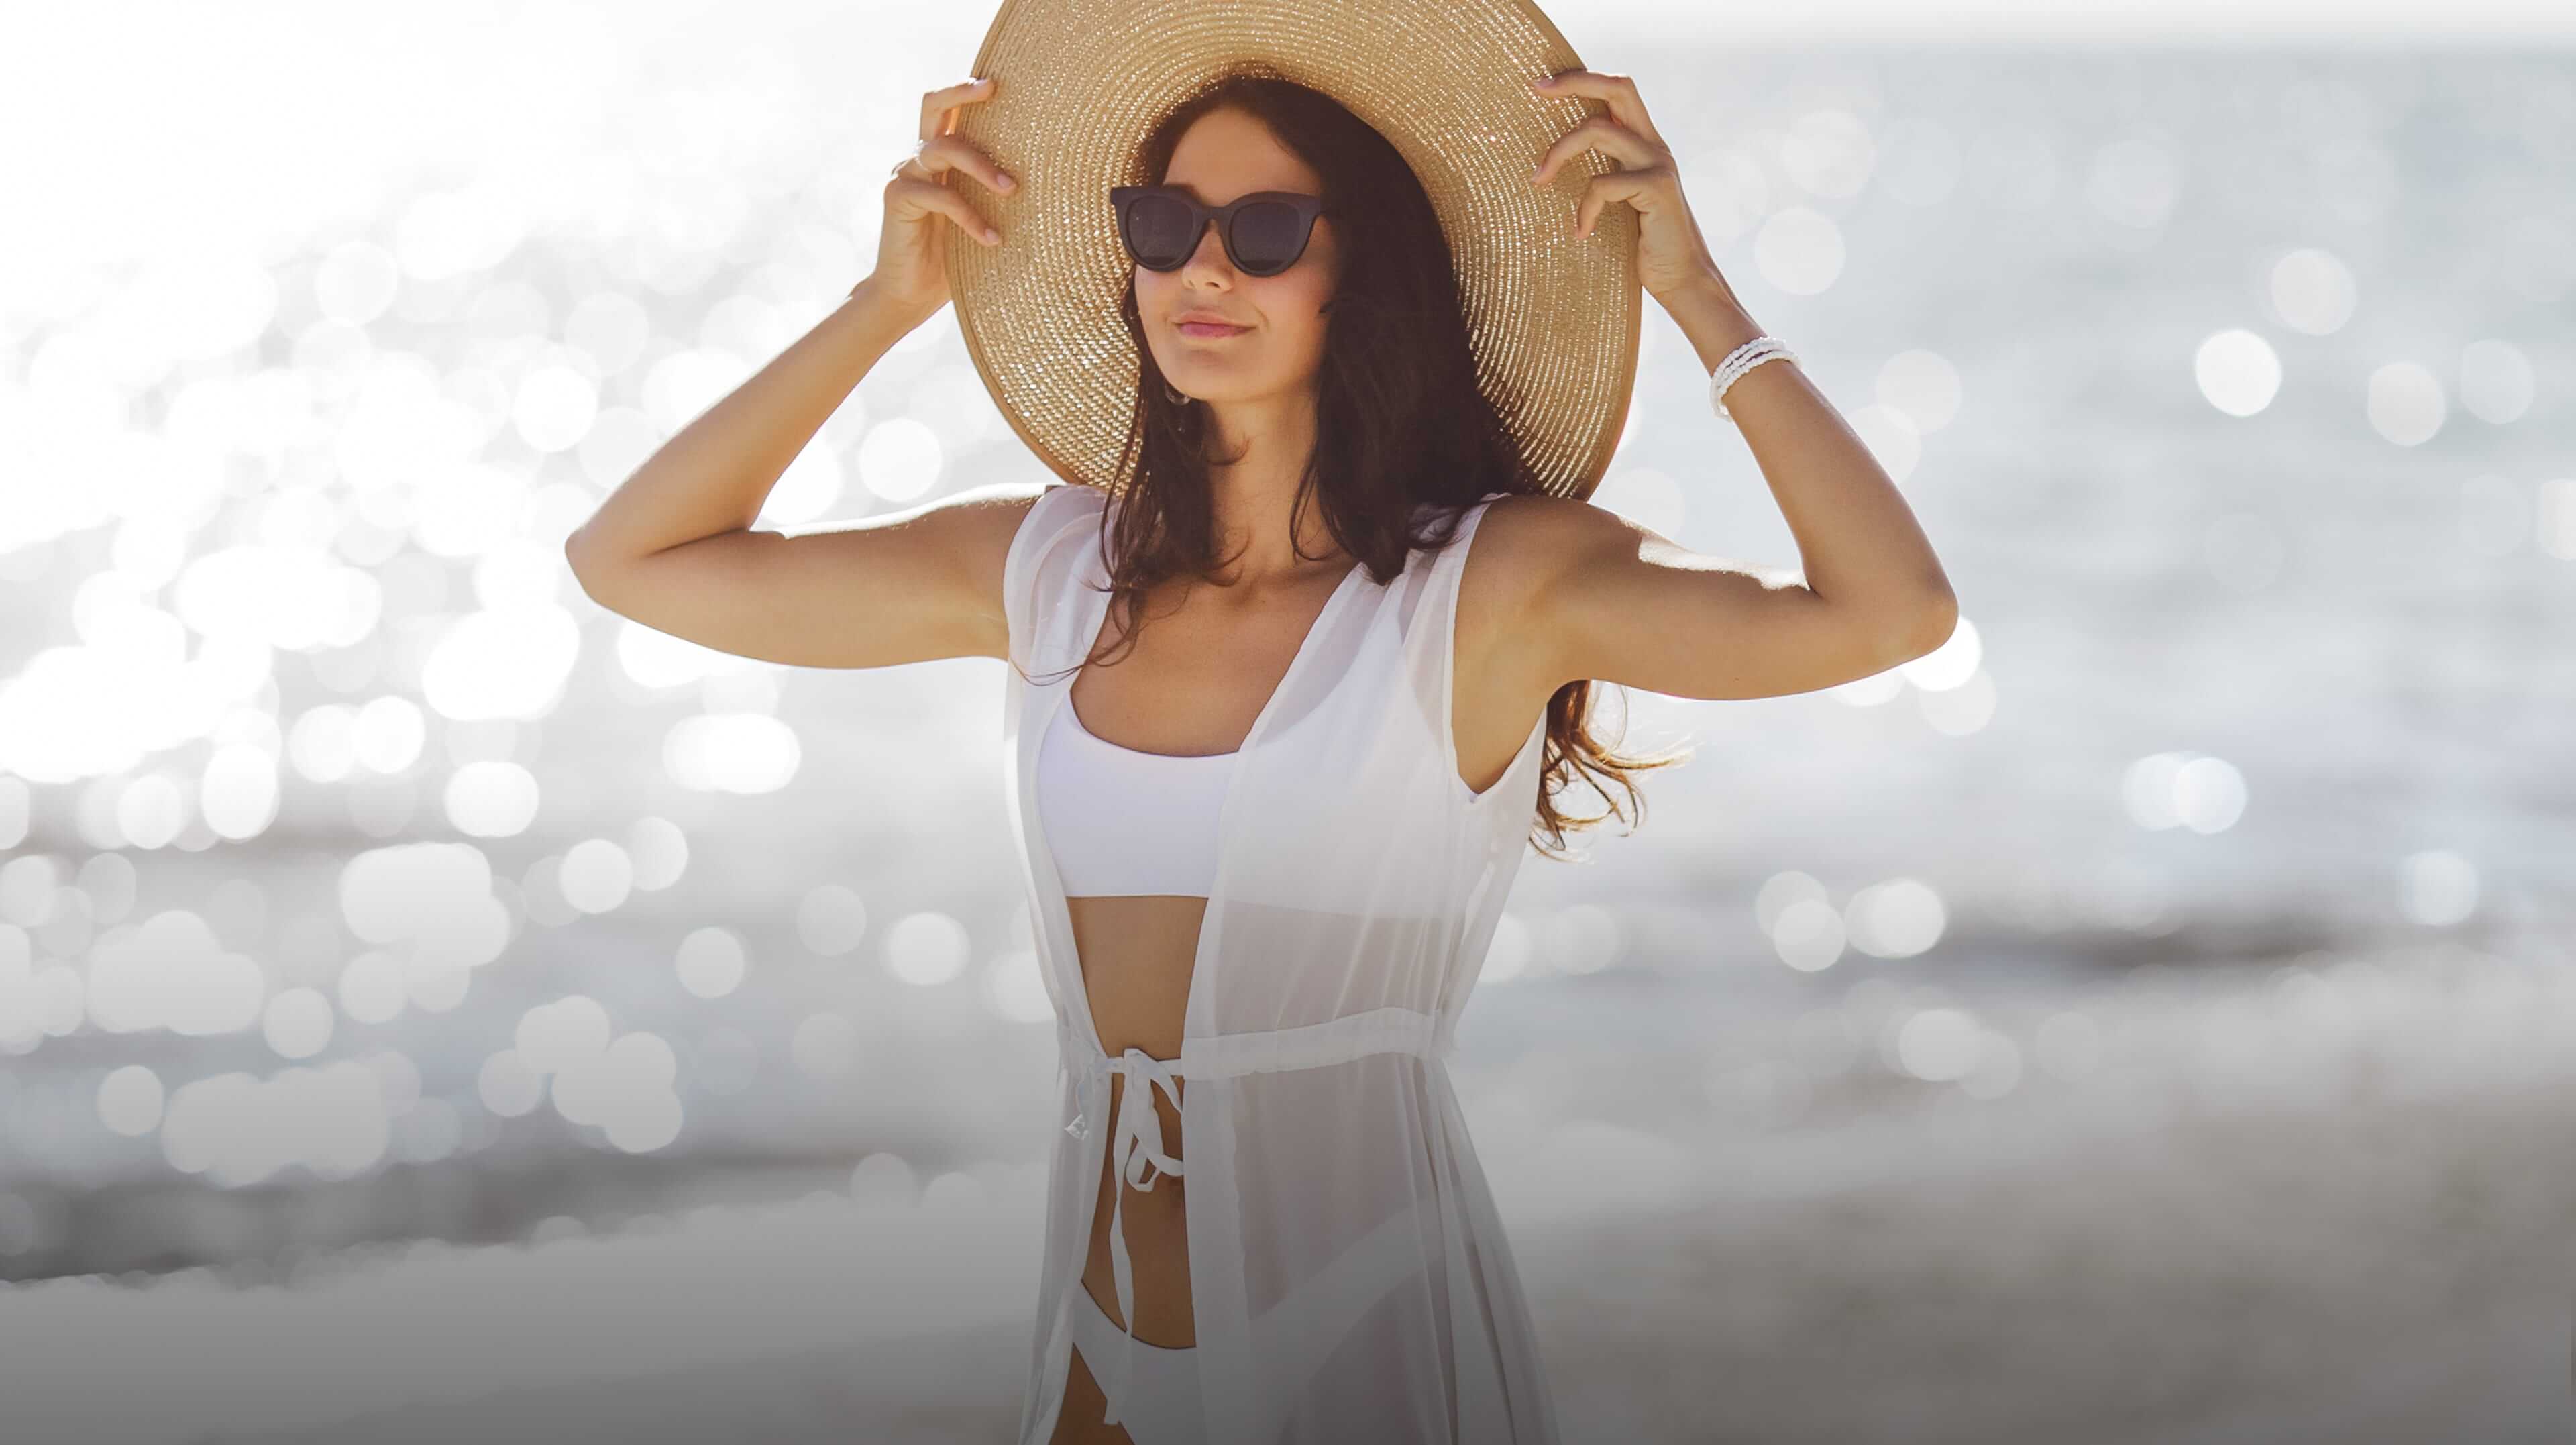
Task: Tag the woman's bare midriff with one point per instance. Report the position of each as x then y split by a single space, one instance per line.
1136 958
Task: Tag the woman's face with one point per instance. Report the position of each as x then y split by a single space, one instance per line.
1223 155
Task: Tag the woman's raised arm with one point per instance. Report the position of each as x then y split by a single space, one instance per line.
673 546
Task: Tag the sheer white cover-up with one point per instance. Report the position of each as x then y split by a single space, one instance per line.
1349 1278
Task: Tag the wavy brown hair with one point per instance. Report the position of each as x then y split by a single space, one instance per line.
1400 422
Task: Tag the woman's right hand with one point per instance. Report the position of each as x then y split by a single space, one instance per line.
910 270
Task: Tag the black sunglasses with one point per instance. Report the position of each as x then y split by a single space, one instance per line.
1263 233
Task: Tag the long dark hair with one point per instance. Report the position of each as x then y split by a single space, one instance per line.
1400 422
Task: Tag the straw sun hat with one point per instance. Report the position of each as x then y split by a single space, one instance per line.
1552 317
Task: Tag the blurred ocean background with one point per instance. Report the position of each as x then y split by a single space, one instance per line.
432 1007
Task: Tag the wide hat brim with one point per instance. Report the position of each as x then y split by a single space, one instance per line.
1552 317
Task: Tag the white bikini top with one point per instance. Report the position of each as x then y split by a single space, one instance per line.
1122 822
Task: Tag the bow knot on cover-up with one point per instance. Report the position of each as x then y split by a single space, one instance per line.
1136 1142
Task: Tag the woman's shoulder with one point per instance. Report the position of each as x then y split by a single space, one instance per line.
1524 521
1053 511
1065 500
1513 546
1042 558
1509 522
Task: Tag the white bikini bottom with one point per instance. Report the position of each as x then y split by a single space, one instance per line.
1162 1400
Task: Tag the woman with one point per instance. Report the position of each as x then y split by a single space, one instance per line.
1264 884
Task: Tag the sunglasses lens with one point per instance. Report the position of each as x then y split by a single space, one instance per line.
1267 236
1159 231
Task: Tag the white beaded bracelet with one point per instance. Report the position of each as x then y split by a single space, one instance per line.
1741 360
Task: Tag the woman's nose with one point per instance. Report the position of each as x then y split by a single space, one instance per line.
1209 248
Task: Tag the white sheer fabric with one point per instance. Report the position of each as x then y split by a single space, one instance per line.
1349 1278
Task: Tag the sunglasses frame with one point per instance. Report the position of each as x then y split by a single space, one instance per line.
1123 199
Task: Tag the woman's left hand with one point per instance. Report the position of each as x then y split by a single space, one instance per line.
1671 254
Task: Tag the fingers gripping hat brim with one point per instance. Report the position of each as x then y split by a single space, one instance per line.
1552 317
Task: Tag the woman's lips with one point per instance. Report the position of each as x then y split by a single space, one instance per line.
1210 329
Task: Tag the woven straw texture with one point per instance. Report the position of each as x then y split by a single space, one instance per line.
1552 316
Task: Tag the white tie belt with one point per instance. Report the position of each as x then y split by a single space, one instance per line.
1136 1128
